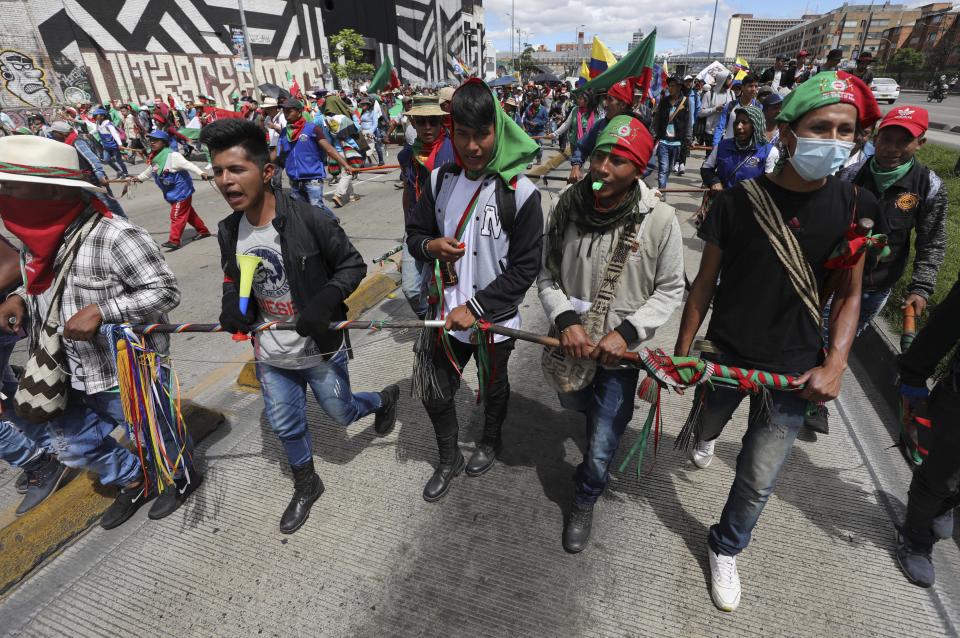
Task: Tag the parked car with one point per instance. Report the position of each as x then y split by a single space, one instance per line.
885 89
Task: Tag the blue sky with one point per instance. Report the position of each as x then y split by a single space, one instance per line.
551 21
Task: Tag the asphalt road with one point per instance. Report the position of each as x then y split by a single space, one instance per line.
947 112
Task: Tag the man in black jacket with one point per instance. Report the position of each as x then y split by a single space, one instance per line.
308 268
935 489
780 74
671 127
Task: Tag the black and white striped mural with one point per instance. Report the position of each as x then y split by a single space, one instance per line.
136 49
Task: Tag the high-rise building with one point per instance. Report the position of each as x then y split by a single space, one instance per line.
744 33
851 27
637 39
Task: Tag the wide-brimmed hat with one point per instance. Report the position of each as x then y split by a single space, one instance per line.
30 158
445 94
269 102
424 105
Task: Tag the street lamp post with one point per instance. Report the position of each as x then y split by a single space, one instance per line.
716 4
689 30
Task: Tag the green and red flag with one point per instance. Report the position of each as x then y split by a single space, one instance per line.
638 63
385 78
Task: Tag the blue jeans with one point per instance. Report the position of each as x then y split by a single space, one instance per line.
15 448
114 158
310 191
411 281
766 446
284 400
667 155
871 303
608 405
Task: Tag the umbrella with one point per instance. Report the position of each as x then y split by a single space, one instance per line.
506 80
274 91
545 78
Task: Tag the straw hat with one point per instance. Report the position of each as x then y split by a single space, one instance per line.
446 94
425 105
30 158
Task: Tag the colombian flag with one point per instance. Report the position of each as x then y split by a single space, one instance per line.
601 58
584 73
742 67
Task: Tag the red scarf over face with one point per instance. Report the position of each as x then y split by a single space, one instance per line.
40 224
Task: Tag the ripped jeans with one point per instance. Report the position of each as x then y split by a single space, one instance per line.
766 446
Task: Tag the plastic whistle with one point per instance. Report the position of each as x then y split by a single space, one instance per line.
597 186
248 267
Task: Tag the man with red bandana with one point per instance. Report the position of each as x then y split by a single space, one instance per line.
610 210
618 101
116 275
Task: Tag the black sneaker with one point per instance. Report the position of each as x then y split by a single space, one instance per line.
44 476
915 561
817 419
126 504
170 246
386 417
174 496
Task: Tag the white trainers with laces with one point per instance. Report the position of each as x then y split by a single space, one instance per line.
702 453
724 581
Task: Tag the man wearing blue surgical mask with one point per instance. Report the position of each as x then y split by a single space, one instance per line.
764 267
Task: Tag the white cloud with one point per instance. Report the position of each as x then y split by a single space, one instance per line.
614 21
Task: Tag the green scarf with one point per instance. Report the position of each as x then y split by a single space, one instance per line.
885 179
576 205
159 159
334 105
514 148
759 138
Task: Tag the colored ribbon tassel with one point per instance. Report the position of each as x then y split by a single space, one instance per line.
649 391
150 397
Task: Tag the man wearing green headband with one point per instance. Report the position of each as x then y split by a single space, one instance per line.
763 267
603 307
478 224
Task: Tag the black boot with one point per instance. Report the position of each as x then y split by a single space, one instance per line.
576 532
386 416
451 464
307 488
487 451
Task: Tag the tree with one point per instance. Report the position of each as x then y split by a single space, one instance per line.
525 61
348 47
905 59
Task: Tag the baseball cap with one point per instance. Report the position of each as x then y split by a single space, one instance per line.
293 104
803 53
782 56
687 77
445 94
159 135
98 112
61 127
835 53
913 118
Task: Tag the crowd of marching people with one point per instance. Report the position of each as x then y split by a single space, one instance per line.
794 170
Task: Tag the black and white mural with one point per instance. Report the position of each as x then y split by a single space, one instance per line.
137 49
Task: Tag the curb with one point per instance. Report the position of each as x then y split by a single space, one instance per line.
371 291
877 351
27 541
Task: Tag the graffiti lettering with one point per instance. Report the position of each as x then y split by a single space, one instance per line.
141 76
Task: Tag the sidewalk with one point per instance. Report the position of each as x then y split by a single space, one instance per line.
375 559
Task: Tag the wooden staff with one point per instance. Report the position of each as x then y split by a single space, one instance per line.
385 167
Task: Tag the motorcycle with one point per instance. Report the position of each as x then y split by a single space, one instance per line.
938 93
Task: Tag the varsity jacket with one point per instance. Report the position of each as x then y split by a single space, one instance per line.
918 199
505 251
651 284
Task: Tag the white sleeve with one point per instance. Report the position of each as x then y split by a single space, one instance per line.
772 160
177 162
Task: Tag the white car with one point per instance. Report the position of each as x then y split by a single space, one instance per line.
885 89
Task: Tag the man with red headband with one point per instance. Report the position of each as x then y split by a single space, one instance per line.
618 101
603 308
764 267
84 267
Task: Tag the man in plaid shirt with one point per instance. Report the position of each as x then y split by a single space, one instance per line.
117 276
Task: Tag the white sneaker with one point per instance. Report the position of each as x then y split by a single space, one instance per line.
676 168
724 581
702 453
681 168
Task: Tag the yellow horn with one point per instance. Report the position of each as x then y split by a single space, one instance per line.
248 267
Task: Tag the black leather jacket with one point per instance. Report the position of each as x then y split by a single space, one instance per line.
318 257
